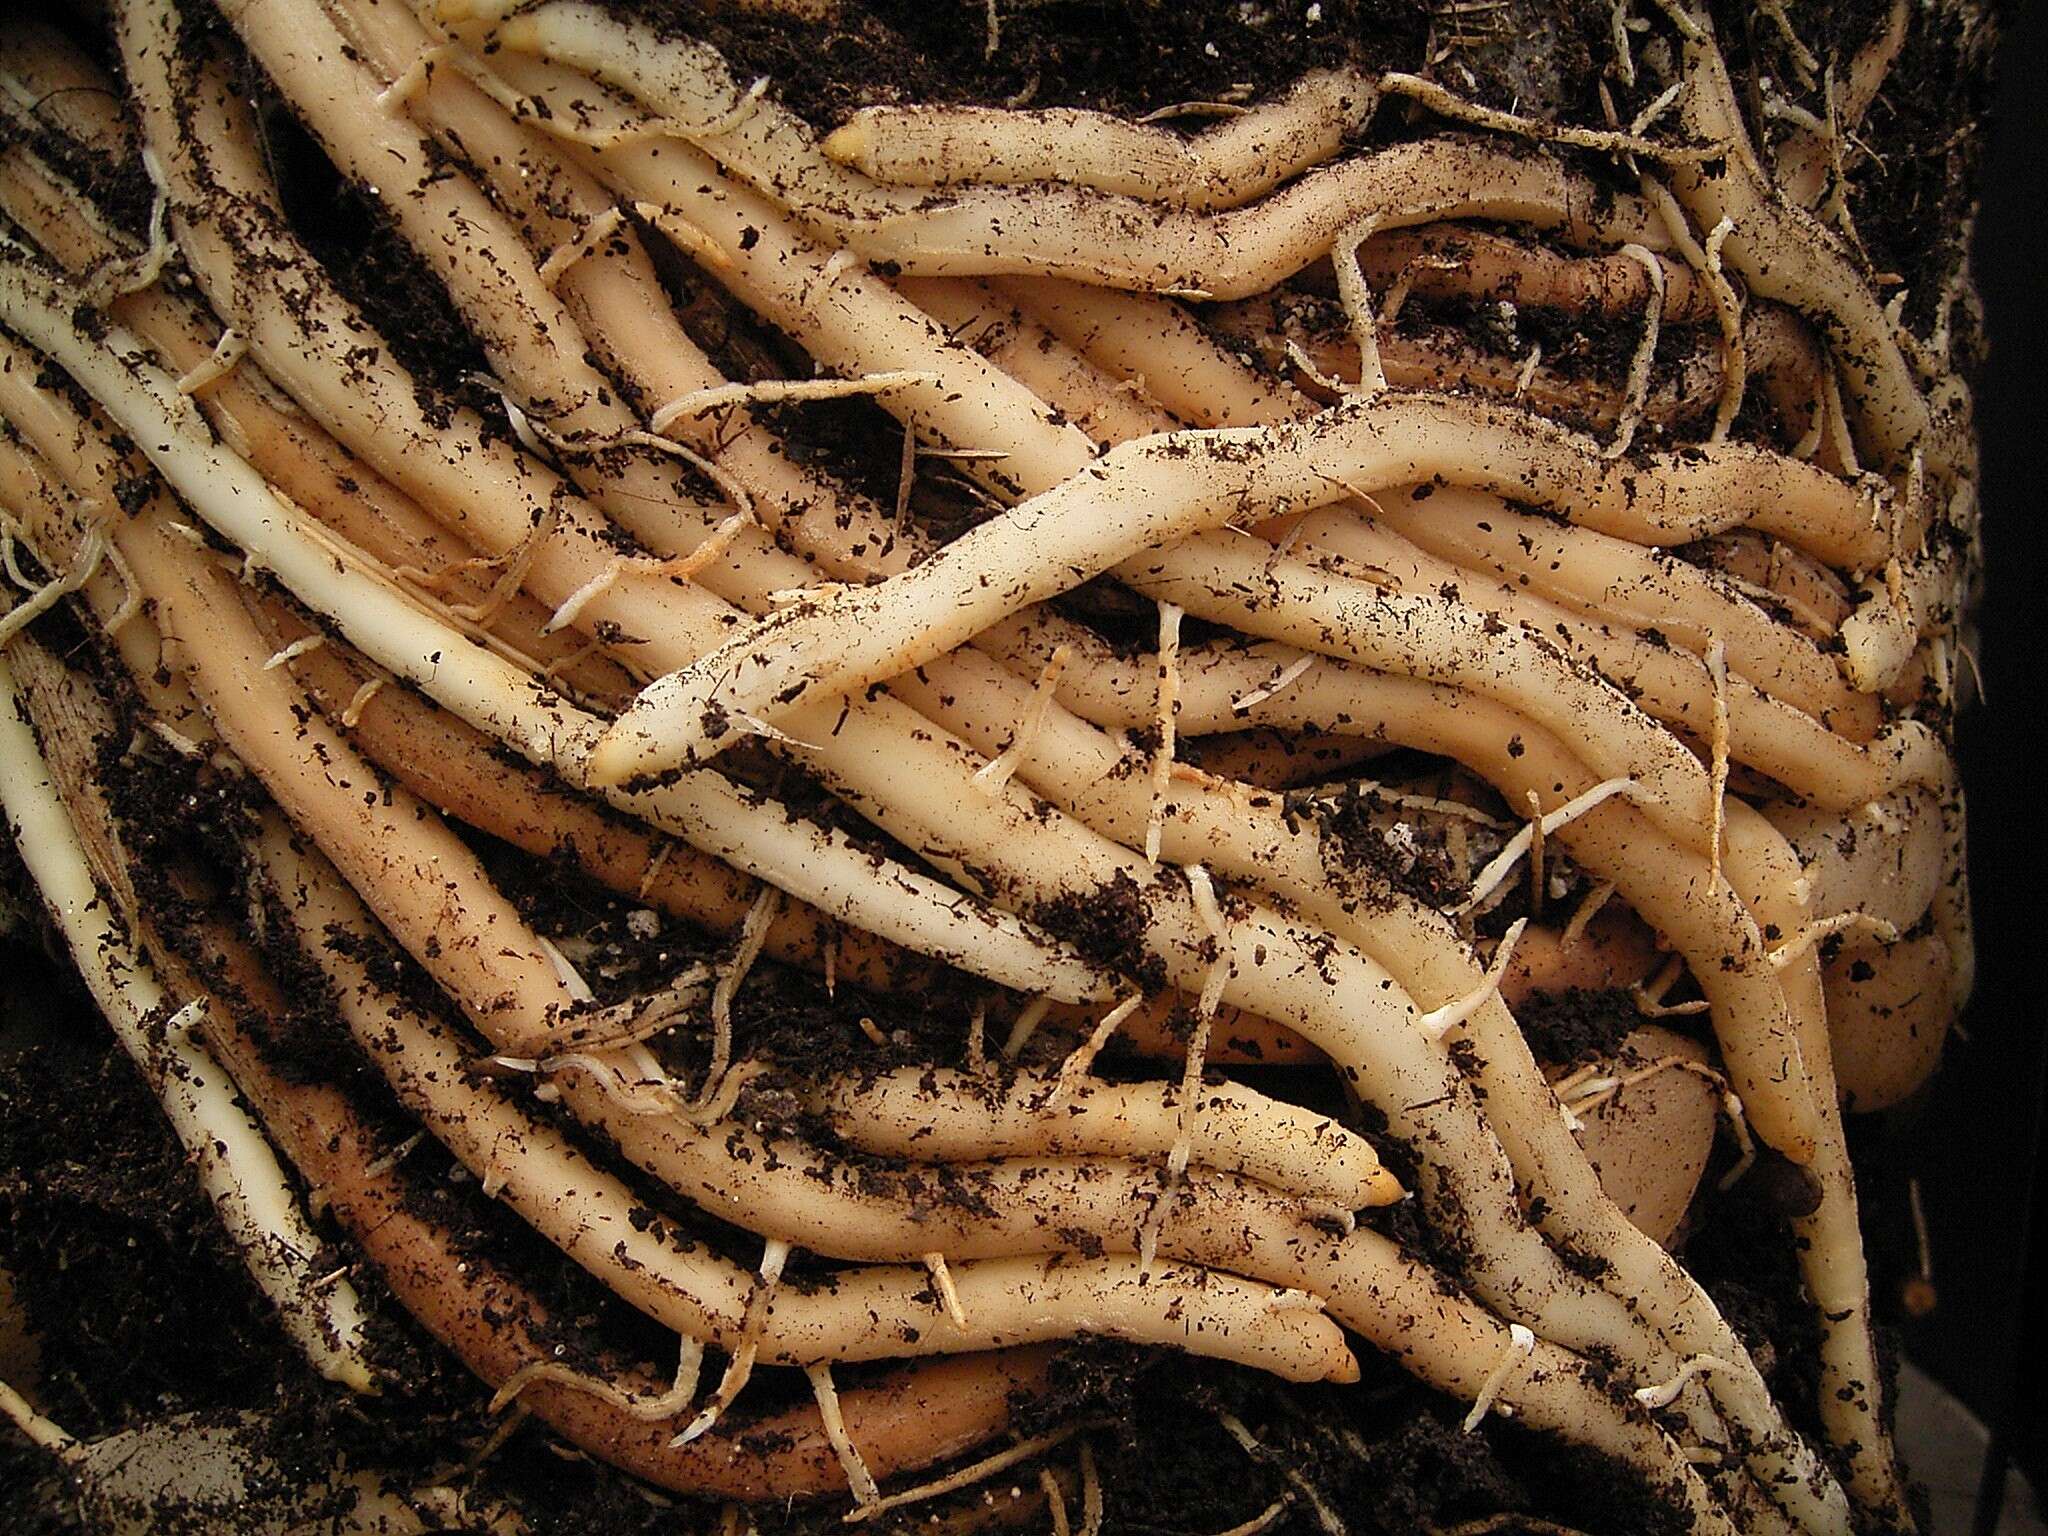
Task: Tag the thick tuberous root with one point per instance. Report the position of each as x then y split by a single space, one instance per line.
899 807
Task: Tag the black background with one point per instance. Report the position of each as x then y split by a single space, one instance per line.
1976 1136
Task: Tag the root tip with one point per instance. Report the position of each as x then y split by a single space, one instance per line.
851 143
622 751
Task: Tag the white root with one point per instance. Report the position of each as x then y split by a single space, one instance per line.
1665 1393
971 583
139 273
1264 1520
1521 1346
1329 384
1206 1003
44 1433
415 75
1443 102
993 775
232 347
1055 1502
1717 670
1795 948
1281 680
236 1166
683 568
1638 387
977 1032
967 1476
1065 231
1735 353
1169 711
739 1368
1081 1059
1498 868
352 712
1439 1022
1091 1493
585 245
703 402
41 599
1026 1025
1589 907
1356 298
866 1495
294 651
942 1282
1649 994
652 1410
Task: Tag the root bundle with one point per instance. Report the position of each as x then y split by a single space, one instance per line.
1186 658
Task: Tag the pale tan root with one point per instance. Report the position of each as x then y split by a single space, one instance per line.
951 1404
236 1165
1241 158
911 1114
851 323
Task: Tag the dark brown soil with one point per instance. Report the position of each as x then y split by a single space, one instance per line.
1132 59
1566 1028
